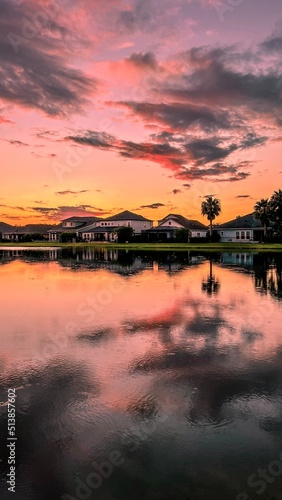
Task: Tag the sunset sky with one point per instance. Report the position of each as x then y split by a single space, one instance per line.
144 105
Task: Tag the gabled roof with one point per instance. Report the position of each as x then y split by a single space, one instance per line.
245 221
127 215
28 229
60 229
99 229
82 219
183 221
5 227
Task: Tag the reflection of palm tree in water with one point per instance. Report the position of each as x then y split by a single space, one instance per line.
261 268
268 274
275 282
211 285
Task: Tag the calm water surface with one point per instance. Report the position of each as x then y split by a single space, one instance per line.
142 375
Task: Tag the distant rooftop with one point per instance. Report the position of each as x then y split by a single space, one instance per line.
82 219
183 221
5 227
28 229
127 215
241 222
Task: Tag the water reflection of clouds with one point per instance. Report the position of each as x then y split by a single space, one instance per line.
48 425
161 348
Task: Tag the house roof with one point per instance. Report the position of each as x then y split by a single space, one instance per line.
5 227
82 219
183 221
241 222
99 229
60 229
28 229
161 228
127 215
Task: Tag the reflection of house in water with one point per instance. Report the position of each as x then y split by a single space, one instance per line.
237 259
268 274
53 254
10 254
94 254
117 261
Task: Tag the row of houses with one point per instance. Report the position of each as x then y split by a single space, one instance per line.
90 229
106 229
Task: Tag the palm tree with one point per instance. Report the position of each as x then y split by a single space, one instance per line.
275 212
262 214
211 209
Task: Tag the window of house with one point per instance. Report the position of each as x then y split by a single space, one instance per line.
169 223
242 235
198 234
105 223
248 235
222 233
129 223
237 235
102 223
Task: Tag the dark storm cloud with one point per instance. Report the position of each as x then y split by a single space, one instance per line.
272 44
64 211
15 142
180 116
45 210
220 171
69 191
142 16
187 160
154 206
213 80
34 71
145 60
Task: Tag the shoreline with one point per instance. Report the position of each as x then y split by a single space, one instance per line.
172 247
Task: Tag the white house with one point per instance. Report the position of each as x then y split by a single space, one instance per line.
16 233
70 225
168 226
242 229
105 229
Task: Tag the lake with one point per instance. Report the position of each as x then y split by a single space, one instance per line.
153 375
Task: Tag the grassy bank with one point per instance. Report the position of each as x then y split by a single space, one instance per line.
174 247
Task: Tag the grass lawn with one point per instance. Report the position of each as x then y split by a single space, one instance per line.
205 247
